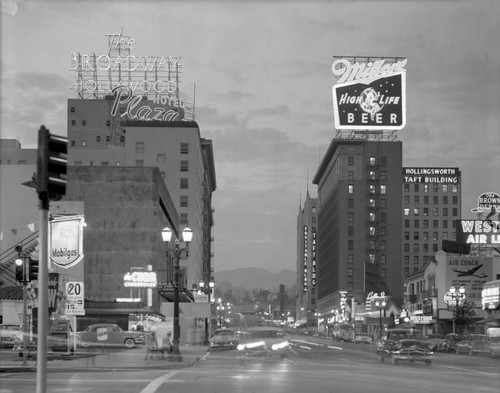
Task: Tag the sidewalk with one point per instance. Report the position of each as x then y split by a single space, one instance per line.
106 361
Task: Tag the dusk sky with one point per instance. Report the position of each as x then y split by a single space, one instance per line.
263 79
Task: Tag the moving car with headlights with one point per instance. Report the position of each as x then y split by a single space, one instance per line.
10 334
223 338
264 341
473 344
108 334
392 336
409 350
363 338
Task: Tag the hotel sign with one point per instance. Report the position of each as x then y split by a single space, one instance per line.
369 96
140 279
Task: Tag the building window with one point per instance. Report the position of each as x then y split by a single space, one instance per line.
350 286
372 231
406 271
415 259
383 175
407 247
73 143
383 259
454 200
434 236
407 223
350 217
383 161
445 200
350 259
84 143
445 235
407 199
350 160
350 203
184 183
372 161
372 189
426 223
350 175
406 259
426 247
139 162
416 200
383 203
84 122
122 139
184 166
455 212
78 163
184 148
139 147
416 247
104 163
406 235
426 211
98 138
349 272
435 248
426 199
372 217
73 122
383 273
426 236
350 244
407 212
108 123
445 212
416 224
108 138
162 173
407 187
416 235
350 230
426 188
371 258
383 189
72 109
435 223
454 188
117 163
183 219
383 231
351 189
161 158
372 203
184 201
445 224
383 245
415 211
435 211
371 175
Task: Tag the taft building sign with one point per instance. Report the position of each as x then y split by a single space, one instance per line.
66 241
370 95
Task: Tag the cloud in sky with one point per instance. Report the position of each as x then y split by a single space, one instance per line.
262 71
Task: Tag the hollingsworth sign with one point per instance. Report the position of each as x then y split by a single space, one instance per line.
369 95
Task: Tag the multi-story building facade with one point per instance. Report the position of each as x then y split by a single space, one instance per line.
307 228
359 222
184 159
432 201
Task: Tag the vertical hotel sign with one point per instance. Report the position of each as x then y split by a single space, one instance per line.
369 95
313 258
305 286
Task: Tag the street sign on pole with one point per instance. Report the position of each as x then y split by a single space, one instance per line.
75 298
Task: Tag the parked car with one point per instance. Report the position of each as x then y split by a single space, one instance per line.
10 334
264 341
449 342
408 349
363 338
473 344
224 338
434 340
494 346
108 334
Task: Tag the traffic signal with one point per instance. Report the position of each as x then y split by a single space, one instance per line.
19 270
32 269
51 165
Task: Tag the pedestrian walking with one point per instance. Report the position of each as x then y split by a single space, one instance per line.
166 344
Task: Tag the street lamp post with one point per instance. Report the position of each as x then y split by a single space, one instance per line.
458 295
20 261
380 304
187 236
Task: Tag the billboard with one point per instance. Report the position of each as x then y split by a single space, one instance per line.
369 95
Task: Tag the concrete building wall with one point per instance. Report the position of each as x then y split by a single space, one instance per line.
125 211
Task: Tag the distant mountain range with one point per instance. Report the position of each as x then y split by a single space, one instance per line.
255 278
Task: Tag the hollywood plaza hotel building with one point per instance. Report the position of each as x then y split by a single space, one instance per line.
373 224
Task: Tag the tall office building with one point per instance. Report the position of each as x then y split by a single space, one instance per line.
432 200
359 222
185 161
307 228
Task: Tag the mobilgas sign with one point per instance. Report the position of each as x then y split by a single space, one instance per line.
431 175
66 241
371 104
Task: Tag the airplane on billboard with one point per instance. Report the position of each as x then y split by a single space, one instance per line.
470 272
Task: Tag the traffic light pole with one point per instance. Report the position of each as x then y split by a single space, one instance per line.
43 297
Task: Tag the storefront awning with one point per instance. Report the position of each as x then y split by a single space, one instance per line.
184 295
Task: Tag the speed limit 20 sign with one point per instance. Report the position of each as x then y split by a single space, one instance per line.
75 298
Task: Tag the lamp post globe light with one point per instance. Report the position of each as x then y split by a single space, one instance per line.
176 251
380 304
458 295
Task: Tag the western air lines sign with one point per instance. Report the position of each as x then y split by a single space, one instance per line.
373 96
478 231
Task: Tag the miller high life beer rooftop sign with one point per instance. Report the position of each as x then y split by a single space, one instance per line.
369 95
